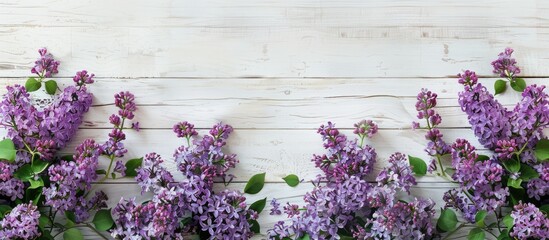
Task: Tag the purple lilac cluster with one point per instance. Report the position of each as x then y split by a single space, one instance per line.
205 156
20 223
222 215
344 158
69 178
40 133
512 134
46 65
505 64
335 206
436 147
529 222
481 182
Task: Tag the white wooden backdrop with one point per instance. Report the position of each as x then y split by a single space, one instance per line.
275 70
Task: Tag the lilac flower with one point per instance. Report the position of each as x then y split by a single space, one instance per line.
46 65
458 200
506 149
530 116
402 221
468 78
529 222
184 129
205 156
335 206
10 187
83 77
275 207
345 158
488 118
505 64
120 168
365 128
539 187
399 174
482 178
69 178
125 101
21 222
151 175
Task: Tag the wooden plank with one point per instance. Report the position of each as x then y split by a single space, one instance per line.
273 51
278 104
271 13
277 152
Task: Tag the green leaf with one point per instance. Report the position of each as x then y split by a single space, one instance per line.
504 235
307 237
3 210
7 150
101 171
43 221
518 84
70 215
447 220
517 195
34 184
24 172
103 220
542 150
292 180
132 165
255 226
476 234
39 166
479 218
73 234
482 158
418 165
259 205
527 172
255 184
515 183
512 165
544 208
500 86
32 84
51 87
508 221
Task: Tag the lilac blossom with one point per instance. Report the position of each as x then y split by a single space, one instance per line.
205 156
275 207
488 118
221 215
46 65
21 222
505 64
482 180
334 207
529 222
436 146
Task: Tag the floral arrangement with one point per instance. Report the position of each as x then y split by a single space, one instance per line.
344 205
189 207
36 184
505 194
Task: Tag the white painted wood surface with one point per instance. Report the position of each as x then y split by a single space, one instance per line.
275 70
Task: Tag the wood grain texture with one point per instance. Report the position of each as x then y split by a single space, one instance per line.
274 70
273 51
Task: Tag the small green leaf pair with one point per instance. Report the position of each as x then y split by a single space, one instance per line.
517 84
33 85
